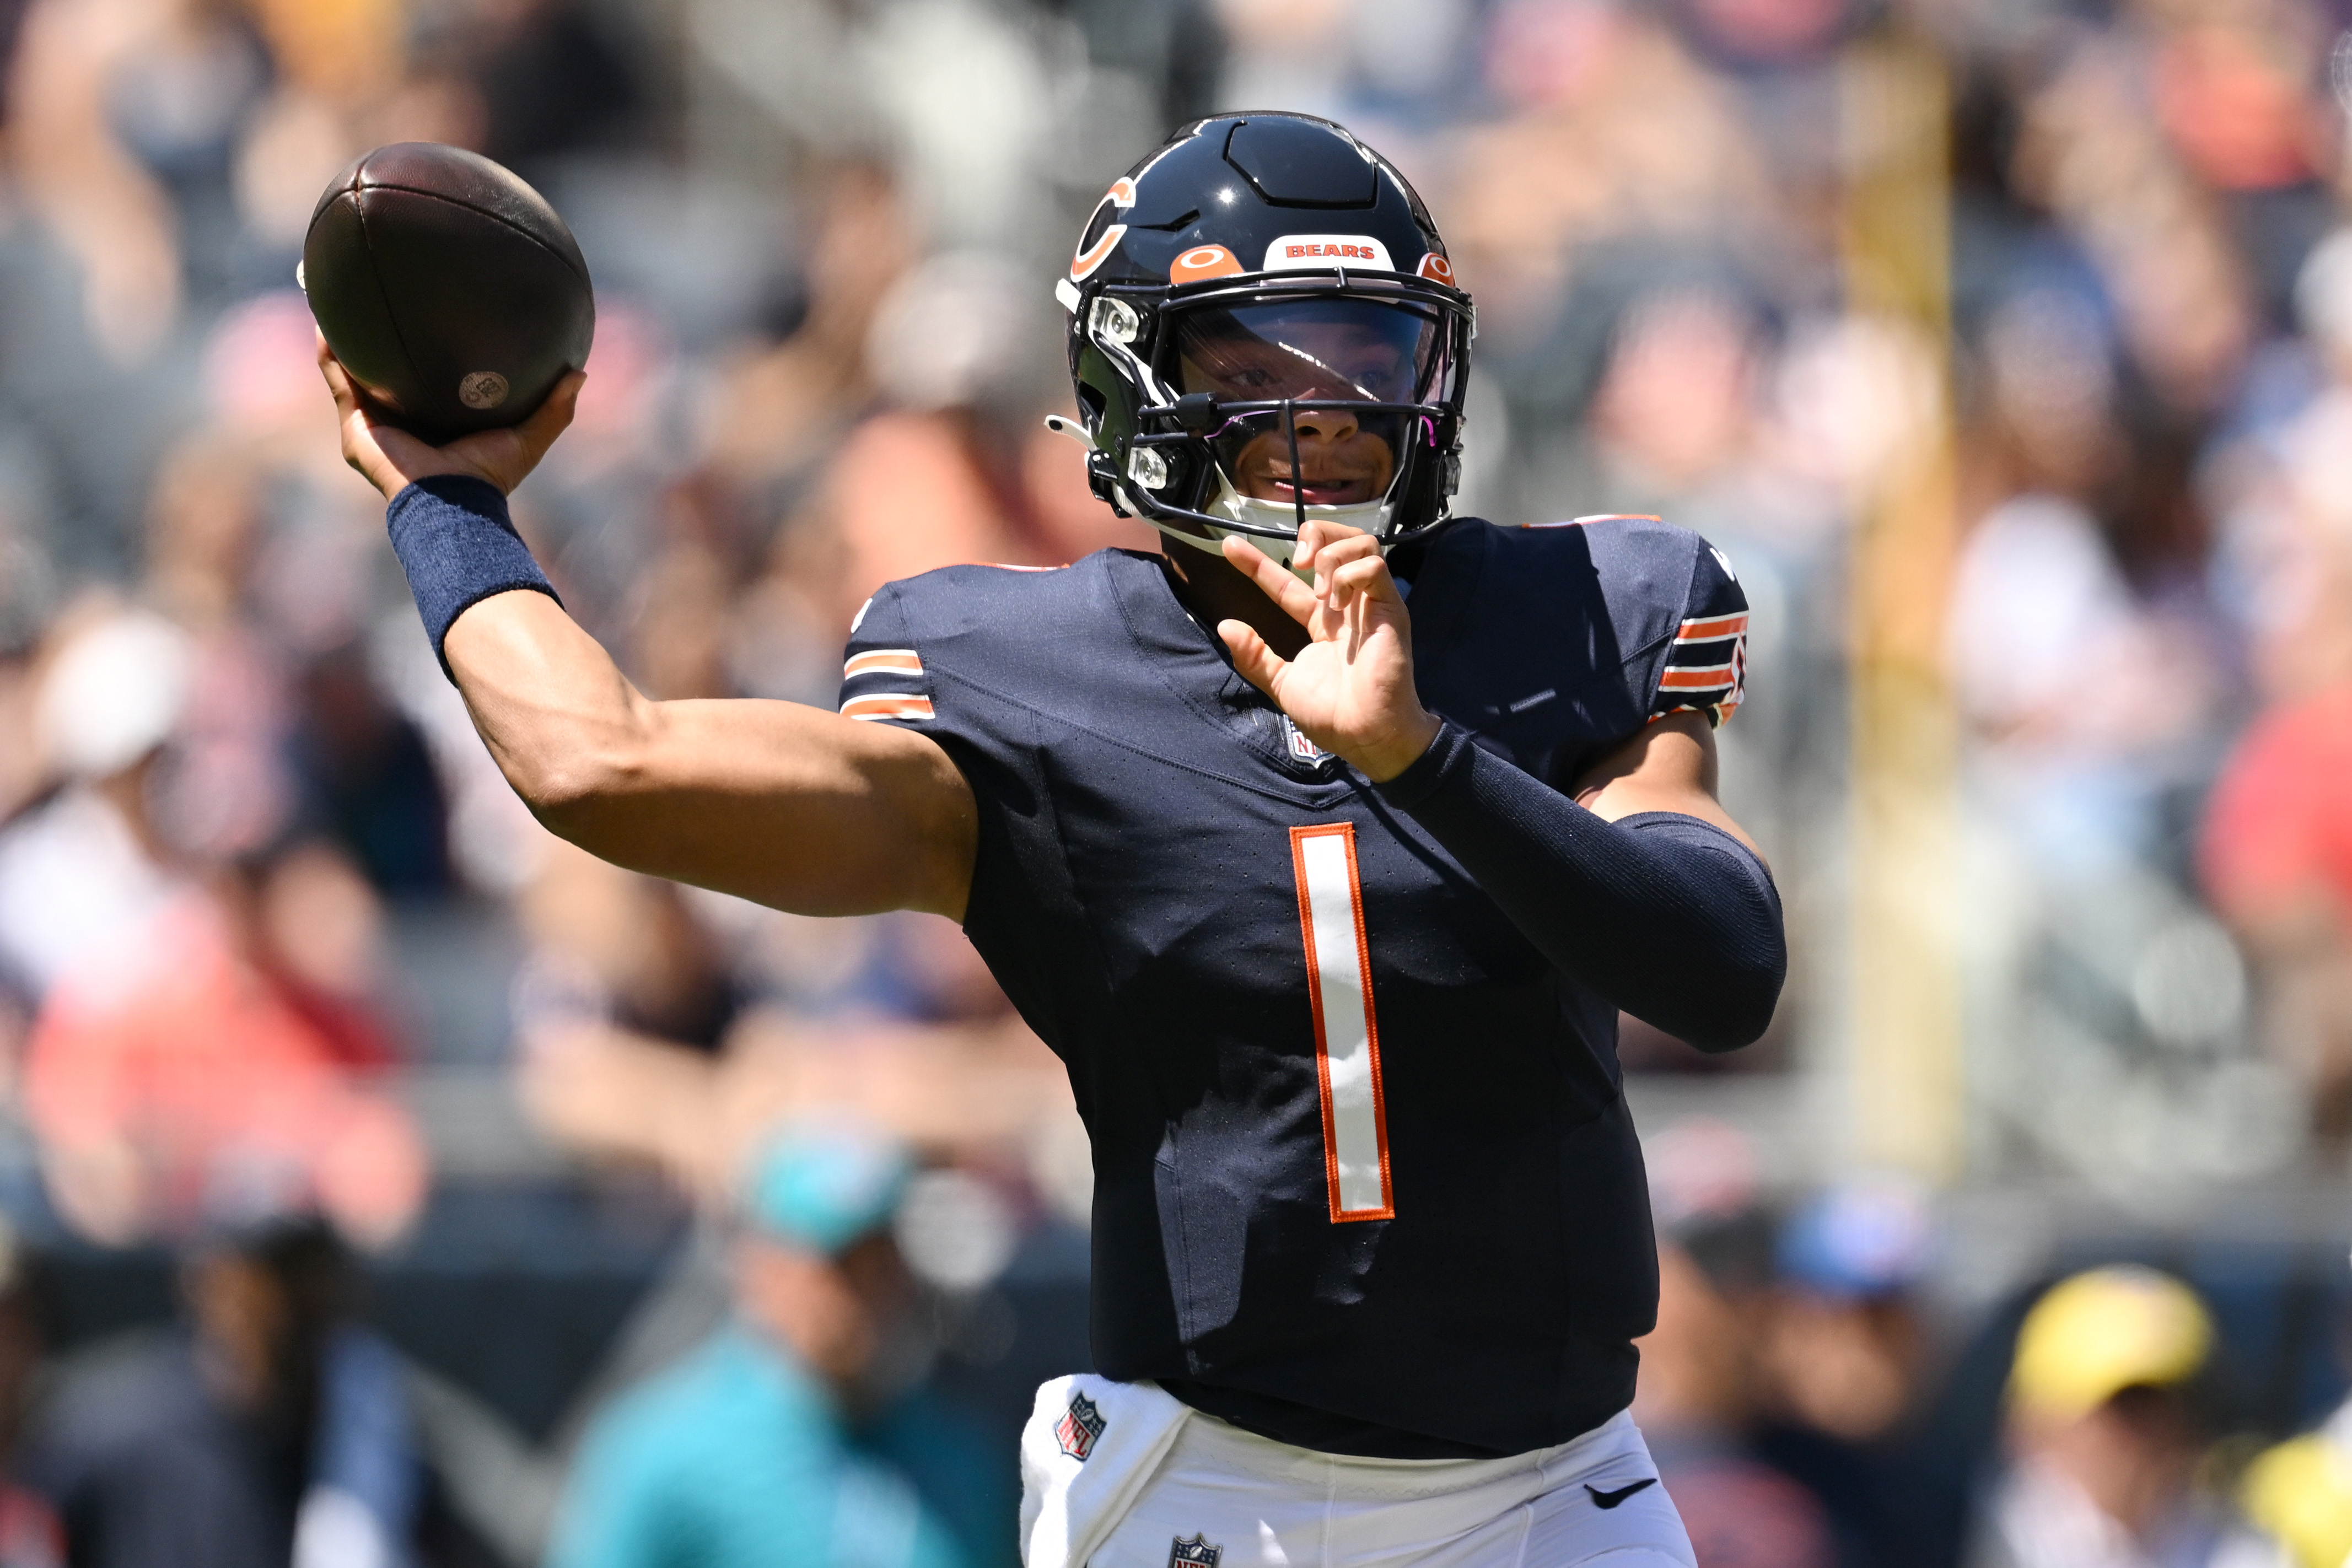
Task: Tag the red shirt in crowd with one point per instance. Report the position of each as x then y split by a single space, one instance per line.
196 1082
2279 828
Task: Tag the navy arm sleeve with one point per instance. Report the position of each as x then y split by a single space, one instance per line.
1667 918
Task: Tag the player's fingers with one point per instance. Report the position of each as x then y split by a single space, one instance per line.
553 417
361 450
1370 578
339 380
1258 664
1309 540
1336 558
1297 600
1349 547
1316 540
358 428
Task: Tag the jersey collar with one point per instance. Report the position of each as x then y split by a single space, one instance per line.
1187 654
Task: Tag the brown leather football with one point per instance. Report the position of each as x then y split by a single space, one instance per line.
449 289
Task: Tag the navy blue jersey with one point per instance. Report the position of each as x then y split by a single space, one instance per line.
1364 1180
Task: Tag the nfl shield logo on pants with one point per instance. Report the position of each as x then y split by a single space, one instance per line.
1193 1553
1079 1428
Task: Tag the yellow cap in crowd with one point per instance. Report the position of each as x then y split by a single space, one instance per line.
2102 1331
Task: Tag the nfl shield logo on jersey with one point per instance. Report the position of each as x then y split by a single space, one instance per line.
1301 749
1079 1428
1193 1553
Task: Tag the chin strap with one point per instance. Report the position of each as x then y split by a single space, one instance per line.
1062 424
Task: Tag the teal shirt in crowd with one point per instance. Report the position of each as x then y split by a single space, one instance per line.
739 1458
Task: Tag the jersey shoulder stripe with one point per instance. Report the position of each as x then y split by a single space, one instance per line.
878 661
1702 663
892 667
1711 628
888 704
1626 600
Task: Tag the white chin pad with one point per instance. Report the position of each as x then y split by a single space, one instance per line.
1214 542
1370 516
1275 549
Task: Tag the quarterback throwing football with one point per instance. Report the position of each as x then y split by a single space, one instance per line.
1324 848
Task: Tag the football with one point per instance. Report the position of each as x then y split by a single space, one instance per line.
449 289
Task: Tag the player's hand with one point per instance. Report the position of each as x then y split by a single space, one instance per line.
1350 689
392 459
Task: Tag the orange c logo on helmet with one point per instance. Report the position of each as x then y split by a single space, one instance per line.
1202 261
1437 269
1120 196
1094 255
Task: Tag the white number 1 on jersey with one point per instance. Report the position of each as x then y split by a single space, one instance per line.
1347 1034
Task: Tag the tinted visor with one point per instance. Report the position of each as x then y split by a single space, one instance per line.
1353 350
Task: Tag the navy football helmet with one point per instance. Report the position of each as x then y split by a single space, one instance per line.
1258 278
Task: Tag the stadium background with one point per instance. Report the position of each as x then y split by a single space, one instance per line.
2005 346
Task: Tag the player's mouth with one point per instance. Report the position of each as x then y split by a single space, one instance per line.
1313 492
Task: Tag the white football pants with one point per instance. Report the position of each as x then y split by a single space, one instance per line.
1163 1486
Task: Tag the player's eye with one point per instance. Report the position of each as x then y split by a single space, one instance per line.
1211 370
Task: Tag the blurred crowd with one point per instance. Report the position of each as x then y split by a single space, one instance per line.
261 890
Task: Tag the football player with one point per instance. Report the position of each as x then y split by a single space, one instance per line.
1324 847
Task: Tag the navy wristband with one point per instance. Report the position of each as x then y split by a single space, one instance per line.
454 541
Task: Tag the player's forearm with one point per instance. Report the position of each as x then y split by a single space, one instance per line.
790 806
556 713
1670 918
787 805
560 719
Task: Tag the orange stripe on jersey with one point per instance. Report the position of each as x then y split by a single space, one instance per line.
1712 629
904 660
1713 676
896 705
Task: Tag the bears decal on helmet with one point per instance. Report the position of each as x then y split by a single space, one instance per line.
1294 253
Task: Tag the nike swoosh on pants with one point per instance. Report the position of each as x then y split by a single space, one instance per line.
1611 1499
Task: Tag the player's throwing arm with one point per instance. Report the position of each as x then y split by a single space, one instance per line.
790 806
